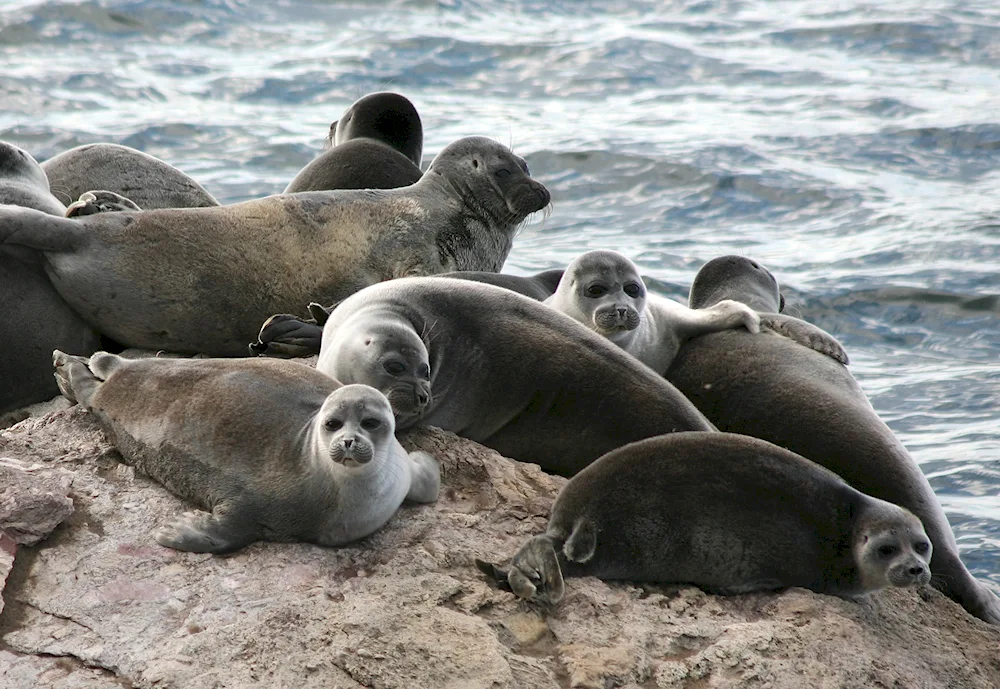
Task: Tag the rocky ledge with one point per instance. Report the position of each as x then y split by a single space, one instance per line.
99 604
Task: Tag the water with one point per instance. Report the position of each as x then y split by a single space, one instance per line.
853 147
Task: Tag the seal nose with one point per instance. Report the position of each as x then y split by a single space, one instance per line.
622 313
348 442
916 570
422 398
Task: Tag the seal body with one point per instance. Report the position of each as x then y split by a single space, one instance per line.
501 369
201 280
376 144
773 388
287 336
147 181
35 319
604 291
725 512
273 449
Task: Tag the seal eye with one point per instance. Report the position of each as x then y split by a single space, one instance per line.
502 173
886 550
424 371
921 548
597 291
781 306
524 167
633 290
370 424
334 424
393 368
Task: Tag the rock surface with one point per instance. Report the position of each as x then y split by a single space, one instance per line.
99 604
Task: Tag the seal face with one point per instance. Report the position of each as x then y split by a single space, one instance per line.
201 280
376 144
274 450
147 181
499 368
807 401
603 291
725 512
35 319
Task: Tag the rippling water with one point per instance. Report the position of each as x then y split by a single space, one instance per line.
853 147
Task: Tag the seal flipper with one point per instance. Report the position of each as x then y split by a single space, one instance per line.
287 337
101 201
37 230
425 477
73 376
805 334
582 543
203 532
535 572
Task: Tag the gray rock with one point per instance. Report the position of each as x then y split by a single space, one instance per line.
406 607
34 500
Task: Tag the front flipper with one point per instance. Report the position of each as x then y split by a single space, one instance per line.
93 202
534 572
203 532
425 477
805 334
288 337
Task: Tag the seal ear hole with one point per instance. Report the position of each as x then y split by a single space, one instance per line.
334 424
394 368
371 424
475 163
633 290
368 341
596 291
886 550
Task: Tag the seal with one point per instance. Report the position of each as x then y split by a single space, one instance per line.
499 368
149 182
201 280
272 449
773 388
604 291
725 512
35 318
376 144
287 336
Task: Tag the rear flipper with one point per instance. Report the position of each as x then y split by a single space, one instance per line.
425 478
91 202
805 334
221 531
76 381
288 337
534 572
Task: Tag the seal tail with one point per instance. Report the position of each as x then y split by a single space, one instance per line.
37 230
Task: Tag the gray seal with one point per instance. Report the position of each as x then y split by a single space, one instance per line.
725 512
772 388
35 319
499 368
287 336
272 449
604 291
202 280
376 144
148 181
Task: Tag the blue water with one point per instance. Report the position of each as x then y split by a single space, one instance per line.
853 147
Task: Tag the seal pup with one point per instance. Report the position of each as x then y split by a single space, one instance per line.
376 144
772 388
272 449
603 291
149 182
499 368
201 280
725 512
287 336
34 319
